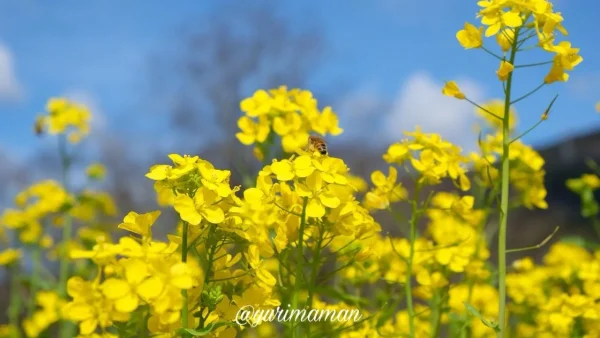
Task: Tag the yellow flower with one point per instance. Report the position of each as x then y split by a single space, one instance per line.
139 224
505 69
386 190
258 104
10 256
202 206
41 319
63 115
451 89
253 131
89 307
96 171
291 114
504 38
319 197
137 284
470 36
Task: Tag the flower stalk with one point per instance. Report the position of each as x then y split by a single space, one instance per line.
414 217
505 195
184 294
300 264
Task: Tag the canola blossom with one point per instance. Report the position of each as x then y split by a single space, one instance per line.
408 247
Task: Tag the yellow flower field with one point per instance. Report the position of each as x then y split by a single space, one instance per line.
305 234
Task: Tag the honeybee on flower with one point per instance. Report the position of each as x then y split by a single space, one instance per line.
316 143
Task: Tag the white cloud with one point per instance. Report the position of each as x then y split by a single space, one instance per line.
10 88
420 102
357 109
86 98
361 102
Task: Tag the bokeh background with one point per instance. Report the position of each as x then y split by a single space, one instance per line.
167 77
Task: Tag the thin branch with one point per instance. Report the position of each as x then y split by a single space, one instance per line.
485 110
534 64
528 94
492 53
542 119
537 246
288 211
526 132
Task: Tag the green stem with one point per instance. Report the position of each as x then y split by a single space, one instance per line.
14 307
67 227
409 264
534 64
440 300
300 262
36 264
314 274
66 328
184 250
504 197
211 249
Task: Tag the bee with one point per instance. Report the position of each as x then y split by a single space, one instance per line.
317 143
38 127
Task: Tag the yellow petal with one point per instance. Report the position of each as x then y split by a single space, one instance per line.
329 200
378 178
213 214
184 205
115 288
315 209
158 172
88 326
127 304
150 288
135 270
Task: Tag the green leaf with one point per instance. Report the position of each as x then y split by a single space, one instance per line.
486 322
387 313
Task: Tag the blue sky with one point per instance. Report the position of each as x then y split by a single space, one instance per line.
392 55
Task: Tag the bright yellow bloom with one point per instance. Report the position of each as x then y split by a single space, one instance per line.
201 207
470 36
66 117
9 256
89 307
291 114
139 224
386 190
505 69
451 89
96 171
41 319
253 132
504 38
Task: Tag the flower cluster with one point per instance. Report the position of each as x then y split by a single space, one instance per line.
131 273
431 157
526 170
290 114
35 203
65 117
513 22
300 235
558 297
